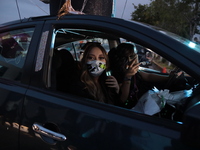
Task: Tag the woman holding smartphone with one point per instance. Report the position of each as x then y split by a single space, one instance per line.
95 84
124 65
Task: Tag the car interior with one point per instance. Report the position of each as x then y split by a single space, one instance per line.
14 46
68 48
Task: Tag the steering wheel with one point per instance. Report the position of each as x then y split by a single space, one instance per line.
173 77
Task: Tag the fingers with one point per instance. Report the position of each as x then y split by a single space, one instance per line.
132 70
111 80
179 73
112 83
134 65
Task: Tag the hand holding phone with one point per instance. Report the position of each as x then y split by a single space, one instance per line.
133 69
111 82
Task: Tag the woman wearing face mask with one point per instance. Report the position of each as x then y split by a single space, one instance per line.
124 66
95 84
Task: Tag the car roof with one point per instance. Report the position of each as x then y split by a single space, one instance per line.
141 33
68 16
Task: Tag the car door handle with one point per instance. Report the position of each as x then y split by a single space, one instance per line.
46 132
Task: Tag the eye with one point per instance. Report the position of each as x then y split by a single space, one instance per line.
90 58
132 57
101 58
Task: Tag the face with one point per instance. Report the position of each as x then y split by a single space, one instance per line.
96 54
133 57
96 62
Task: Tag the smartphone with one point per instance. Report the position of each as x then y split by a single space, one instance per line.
143 63
108 73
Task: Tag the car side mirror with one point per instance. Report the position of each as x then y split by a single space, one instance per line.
190 134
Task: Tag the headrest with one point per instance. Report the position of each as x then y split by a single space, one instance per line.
10 48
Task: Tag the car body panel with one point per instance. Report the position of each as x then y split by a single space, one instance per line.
86 130
12 96
86 124
13 92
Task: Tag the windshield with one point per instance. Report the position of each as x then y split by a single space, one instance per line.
183 40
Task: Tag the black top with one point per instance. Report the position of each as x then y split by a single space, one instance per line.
111 97
137 88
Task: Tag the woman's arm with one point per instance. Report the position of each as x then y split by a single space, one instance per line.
125 89
125 86
151 77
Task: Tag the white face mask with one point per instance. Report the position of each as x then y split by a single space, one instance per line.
96 67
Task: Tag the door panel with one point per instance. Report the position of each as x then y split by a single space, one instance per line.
14 45
89 125
10 111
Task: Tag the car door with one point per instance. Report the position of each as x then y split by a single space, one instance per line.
56 120
15 43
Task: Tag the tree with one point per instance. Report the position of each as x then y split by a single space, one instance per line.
178 16
195 17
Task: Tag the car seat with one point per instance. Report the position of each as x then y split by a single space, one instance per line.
66 72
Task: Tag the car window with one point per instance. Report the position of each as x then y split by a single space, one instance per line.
151 62
14 46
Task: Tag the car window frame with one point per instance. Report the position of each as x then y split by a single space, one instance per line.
50 25
27 70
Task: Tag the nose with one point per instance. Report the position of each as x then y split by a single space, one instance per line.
98 66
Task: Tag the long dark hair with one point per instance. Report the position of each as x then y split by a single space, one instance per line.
119 59
98 93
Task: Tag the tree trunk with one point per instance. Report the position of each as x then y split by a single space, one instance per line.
92 7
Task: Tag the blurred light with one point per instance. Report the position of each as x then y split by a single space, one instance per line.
179 122
191 44
188 93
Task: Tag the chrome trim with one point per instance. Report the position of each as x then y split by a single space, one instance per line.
46 132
